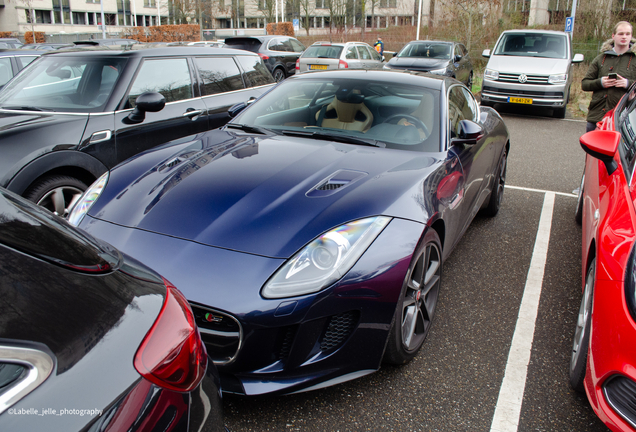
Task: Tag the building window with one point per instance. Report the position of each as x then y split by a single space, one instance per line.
150 3
79 18
388 3
321 4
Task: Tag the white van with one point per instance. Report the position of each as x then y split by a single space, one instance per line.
530 67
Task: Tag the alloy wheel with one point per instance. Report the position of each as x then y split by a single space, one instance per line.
420 298
60 200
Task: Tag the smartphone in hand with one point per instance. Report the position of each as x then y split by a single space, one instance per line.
612 76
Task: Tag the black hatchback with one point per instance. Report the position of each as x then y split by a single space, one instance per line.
279 53
70 116
437 57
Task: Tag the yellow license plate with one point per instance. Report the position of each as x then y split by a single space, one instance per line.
318 67
520 100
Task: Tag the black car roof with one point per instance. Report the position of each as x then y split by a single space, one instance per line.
137 51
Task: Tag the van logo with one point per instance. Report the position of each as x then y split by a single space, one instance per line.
523 78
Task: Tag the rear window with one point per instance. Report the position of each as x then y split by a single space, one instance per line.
247 44
323 51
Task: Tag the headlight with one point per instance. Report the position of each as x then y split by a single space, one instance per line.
324 260
492 75
558 79
630 283
87 200
438 71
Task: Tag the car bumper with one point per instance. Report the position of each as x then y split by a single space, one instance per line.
280 345
610 380
541 95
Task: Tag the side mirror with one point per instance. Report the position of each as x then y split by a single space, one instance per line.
469 133
578 58
458 57
235 110
146 102
602 145
485 53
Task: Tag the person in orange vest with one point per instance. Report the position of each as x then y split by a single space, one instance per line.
379 46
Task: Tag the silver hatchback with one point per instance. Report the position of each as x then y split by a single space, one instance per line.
347 55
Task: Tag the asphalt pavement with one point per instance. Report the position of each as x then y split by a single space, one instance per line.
455 382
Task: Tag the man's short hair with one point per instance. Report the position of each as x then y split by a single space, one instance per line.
620 23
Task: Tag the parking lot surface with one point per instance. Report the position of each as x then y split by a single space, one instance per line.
456 381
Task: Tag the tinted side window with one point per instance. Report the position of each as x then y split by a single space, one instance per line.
255 71
458 109
352 53
276 45
219 74
170 77
23 61
375 55
364 53
627 128
5 70
296 45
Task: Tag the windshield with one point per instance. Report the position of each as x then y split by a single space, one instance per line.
381 113
532 45
441 51
66 84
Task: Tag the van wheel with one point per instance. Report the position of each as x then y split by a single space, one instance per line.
56 193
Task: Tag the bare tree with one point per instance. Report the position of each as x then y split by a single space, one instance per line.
337 12
28 6
307 11
468 12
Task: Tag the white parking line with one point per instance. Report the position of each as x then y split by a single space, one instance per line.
541 191
508 409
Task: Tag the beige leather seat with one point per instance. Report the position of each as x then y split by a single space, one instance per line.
345 115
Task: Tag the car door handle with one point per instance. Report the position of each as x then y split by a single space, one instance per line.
100 136
192 113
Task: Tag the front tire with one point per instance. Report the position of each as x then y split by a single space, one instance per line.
417 302
578 360
56 193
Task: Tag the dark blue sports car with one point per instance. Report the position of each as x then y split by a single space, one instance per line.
309 233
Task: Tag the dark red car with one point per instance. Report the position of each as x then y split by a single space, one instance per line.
603 362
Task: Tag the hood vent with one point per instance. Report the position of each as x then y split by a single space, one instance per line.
335 182
171 163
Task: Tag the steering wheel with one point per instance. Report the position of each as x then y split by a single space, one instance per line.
417 122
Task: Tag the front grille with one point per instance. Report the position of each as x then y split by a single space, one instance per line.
620 393
531 79
221 333
529 93
338 330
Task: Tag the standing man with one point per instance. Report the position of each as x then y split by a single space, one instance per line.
379 46
611 73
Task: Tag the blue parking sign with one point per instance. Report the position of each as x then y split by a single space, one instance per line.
569 23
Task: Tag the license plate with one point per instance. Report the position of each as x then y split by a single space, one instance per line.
520 100
317 67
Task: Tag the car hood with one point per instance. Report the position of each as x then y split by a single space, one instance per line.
418 62
528 65
264 195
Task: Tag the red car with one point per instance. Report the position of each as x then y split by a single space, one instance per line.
603 362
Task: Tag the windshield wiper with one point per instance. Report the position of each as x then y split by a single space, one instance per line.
247 128
338 138
24 108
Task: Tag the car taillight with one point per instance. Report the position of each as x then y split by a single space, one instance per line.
263 56
172 354
343 64
298 64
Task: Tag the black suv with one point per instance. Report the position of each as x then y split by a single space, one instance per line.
279 53
70 116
